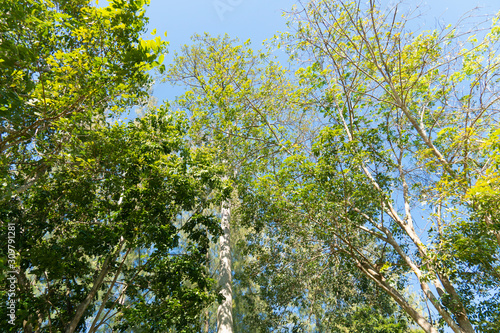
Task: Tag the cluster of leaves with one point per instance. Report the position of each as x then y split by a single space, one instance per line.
112 192
65 60
109 218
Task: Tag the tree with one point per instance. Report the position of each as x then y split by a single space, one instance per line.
65 61
246 107
98 236
235 99
406 116
97 208
306 286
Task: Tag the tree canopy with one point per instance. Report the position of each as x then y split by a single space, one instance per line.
358 177
66 61
392 183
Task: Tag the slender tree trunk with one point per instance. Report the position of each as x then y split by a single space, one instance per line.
99 279
206 321
225 310
95 324
83 305
207 314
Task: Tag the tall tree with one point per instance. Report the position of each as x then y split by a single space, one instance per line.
303 283
94 235
236 100
98 236
409 117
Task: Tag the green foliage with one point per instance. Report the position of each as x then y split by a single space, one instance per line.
65 62
410 119
114 191
373 168
302 272
236 97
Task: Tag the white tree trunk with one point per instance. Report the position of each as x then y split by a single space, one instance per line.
225 310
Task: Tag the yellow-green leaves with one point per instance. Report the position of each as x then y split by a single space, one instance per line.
487 186
407 120
70 61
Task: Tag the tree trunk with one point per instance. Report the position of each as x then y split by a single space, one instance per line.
207 321
83 305
207 314
98 280
225 310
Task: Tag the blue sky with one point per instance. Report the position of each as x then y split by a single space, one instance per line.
261 19
255 19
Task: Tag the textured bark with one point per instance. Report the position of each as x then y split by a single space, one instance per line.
82 307
225 310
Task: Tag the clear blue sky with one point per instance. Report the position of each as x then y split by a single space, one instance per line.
255 19
261 19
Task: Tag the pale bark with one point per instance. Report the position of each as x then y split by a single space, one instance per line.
206 323
225 310
490 224
463 324
381 282
207 314
93 328
86 302
95 288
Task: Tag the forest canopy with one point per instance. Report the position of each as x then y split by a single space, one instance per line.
343 178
